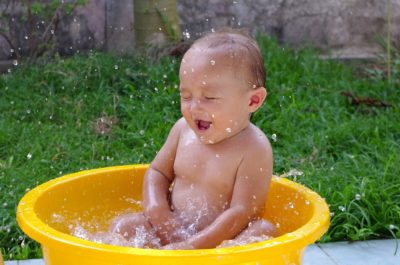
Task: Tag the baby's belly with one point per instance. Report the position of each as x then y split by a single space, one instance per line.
196 208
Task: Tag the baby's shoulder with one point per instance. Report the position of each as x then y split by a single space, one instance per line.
256 142
179 126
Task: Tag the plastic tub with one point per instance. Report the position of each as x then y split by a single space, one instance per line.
95 196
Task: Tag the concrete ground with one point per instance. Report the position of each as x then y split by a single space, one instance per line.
373 252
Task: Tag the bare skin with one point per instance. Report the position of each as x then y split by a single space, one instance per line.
217 164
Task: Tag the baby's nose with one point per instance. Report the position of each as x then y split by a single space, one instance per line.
195 105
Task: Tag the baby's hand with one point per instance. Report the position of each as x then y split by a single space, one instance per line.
169 230
178 245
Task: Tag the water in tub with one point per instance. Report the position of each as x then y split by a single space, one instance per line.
145 239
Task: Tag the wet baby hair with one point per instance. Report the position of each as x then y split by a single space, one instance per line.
241 45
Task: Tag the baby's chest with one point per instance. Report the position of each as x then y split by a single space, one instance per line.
202 164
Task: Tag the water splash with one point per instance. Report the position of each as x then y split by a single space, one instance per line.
141 238
186 34
241 242
295 173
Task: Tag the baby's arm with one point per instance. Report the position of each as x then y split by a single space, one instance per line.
248 199
156 188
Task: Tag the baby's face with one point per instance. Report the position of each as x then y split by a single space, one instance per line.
214 100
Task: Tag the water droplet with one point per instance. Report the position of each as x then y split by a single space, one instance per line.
15 62
342 208
307 202
116 67
141 132
186 34
294 173
204 82
184 72
26 37
273 137
392 227
28 111
358 197
212 62
29 156
5 205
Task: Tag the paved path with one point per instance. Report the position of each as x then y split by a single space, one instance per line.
373 252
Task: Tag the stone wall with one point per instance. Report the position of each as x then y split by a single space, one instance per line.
346 28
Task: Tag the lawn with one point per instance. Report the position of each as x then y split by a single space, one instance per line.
96 110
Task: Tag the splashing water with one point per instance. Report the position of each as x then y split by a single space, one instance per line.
141 238
295 173
186 34
245 241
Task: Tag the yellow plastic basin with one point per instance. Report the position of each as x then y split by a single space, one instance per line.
93 197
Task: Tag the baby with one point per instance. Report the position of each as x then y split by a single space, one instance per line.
209 181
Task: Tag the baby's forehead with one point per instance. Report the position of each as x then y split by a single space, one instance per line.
212 69
217 58
231 51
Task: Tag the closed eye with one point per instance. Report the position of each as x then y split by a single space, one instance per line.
185 96
210 98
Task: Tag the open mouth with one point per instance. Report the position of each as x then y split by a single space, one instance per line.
203 125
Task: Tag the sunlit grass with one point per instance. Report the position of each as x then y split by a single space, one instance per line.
349 154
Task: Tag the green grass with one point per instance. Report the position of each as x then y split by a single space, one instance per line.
348 154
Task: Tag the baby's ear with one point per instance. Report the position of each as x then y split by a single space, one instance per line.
257 97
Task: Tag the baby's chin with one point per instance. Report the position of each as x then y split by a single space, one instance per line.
210 139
